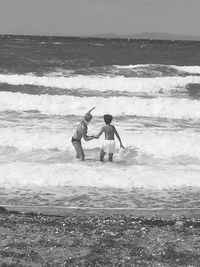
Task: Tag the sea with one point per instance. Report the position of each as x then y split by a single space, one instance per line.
152 89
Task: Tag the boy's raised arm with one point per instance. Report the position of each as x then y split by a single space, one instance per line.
120 141
89 111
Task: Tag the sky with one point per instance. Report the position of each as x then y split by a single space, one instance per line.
88 17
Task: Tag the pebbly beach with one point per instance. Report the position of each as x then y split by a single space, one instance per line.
97 237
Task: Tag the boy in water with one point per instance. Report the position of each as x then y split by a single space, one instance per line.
80 132
109 142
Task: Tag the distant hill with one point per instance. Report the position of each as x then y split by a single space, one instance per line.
148 36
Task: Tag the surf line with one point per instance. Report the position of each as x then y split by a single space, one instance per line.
97 208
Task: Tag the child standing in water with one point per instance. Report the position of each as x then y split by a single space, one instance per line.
109 142
81 132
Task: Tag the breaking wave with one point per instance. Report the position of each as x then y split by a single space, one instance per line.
162 107
104 83
97 175
158 144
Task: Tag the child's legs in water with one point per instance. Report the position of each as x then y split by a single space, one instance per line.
110 157
79 150
102 154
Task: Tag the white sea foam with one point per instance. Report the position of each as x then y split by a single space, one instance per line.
188 69
157 144
97 175
97 44
132 66
103 83
33 139
70 105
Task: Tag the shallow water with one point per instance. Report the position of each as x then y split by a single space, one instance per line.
91 197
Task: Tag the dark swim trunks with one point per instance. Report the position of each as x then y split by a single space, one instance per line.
75 140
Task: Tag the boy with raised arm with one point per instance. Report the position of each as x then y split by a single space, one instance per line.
80 132
109 142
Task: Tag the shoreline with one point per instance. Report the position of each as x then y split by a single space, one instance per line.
80 211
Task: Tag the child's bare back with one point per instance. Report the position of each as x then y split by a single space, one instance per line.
109 131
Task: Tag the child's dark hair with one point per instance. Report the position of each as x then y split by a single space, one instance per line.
107 118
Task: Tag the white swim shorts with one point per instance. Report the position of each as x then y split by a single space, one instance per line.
109 146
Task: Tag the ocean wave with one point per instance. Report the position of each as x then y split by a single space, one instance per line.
162 107
133 66
152 70
157 144
93 174
104 83
97 44
187 69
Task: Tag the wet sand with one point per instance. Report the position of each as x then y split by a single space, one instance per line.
41 236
